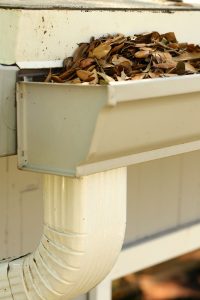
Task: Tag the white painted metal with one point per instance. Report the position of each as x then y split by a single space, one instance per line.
146 89
137 158
7 110
162 195
102 291
96 128
35 35
46 35
90 3
159 249
79 246
70 3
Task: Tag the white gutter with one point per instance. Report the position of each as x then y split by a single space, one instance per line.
84 226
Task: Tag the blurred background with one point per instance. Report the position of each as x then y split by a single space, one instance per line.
176 279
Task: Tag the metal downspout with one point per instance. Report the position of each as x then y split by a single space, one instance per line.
84 226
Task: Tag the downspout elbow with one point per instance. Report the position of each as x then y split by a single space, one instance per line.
84 226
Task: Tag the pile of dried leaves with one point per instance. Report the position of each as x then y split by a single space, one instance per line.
117 58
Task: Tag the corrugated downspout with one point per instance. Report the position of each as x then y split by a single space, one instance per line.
84 225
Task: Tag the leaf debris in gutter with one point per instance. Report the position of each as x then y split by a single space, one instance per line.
118 58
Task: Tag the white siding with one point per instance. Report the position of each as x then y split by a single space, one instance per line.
163 194
20 208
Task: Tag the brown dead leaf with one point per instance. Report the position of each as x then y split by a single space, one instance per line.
182 45
142 54
155 36
106 78
166 65
161 57
67 74
117 48
101 51
147 37
170 37
118 39
187 56
193 48
48 78
117 60
85 75
118 57
85 63
142 38
154 75
75 81
124 76
80 51
173 46
138 76
68 62
180 68
148 68
57 79
91 68
146 49
140 45
95 76
105 65
190 69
